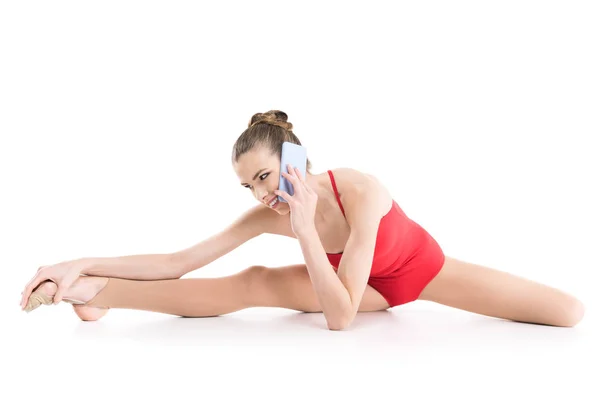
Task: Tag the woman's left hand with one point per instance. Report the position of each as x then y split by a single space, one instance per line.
303 204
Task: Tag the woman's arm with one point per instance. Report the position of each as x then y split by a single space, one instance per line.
250 224
146 267
333 296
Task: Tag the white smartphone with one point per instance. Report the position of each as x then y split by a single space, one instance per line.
294 154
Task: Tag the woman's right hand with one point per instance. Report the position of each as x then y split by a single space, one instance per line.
63 274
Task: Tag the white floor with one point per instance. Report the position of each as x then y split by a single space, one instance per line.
419 350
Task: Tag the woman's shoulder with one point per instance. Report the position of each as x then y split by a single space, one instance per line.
350 180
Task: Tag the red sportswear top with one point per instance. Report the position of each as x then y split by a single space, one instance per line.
398 239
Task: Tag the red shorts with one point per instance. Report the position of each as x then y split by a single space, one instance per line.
404 283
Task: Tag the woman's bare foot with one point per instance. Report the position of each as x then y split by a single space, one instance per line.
83 289
87 313
87 287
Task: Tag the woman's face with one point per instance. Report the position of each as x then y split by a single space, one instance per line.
259 171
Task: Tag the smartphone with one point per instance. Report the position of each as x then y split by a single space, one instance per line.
294 154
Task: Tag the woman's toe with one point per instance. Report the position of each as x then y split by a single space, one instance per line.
49 288
43 294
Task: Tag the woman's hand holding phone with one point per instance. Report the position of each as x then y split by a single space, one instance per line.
303 204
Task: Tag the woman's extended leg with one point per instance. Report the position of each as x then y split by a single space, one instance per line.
191 297
199 297
499 294
257 286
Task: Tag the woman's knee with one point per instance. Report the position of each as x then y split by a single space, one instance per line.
255 279
572 312
255 273
287 287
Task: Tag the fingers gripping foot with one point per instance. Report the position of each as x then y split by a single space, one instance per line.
83 290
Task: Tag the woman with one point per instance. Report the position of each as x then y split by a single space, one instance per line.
362 253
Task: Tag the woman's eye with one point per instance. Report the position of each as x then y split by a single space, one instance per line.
261 178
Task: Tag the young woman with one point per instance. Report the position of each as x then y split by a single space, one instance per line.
362 253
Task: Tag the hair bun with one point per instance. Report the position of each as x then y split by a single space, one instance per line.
271 117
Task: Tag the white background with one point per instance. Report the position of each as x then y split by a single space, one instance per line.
117 120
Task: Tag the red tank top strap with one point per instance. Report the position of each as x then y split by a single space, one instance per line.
337 195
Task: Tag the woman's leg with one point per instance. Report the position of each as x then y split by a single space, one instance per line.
258 286
194 297
495 293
